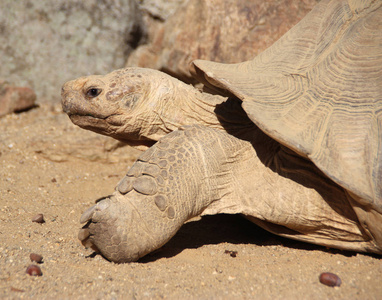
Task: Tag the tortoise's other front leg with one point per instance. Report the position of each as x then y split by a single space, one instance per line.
170 183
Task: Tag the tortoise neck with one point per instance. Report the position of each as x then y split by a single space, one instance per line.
183 105
190 106
180 104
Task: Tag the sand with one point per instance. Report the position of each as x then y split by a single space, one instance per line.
50 167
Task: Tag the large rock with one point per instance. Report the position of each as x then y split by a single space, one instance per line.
45 43
14 98
220 30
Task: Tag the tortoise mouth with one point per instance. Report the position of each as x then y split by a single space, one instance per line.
111 120
103 126
78 118
92 123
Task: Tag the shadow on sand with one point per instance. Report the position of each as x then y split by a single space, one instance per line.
234 229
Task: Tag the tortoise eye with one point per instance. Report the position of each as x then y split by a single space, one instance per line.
93 92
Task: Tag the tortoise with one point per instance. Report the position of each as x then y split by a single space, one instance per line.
291 139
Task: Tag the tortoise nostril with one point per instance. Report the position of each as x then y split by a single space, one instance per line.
67 104
63 90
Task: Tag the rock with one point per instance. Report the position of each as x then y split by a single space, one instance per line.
34 270
36 257
214 29
15 99
161 9
330 279
39 218
231 253
45 43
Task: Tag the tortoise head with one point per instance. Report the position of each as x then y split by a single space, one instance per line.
123 104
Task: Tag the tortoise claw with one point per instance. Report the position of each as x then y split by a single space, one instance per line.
88 214
83 236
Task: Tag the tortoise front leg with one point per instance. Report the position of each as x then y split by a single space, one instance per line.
170 183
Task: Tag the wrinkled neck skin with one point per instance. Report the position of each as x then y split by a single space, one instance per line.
177 104
174 104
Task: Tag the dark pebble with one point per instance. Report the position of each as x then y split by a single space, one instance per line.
36 258
34 270
231 253
38 218
330 279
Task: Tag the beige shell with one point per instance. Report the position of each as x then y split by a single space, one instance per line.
319 92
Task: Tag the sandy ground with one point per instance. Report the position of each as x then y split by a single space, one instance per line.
49 166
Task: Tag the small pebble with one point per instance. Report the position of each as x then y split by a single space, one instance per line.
13 289
231 253
330 279
38 218
36 258
34 270
54 180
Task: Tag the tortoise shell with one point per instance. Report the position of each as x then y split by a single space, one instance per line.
319 92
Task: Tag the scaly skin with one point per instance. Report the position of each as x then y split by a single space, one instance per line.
161 191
